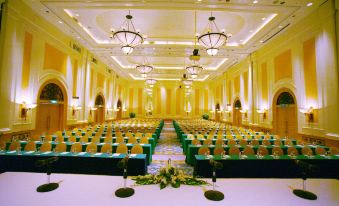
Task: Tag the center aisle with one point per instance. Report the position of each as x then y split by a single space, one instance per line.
168 147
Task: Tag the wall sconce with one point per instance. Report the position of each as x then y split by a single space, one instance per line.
263 112
74 109
244 112
228 112
228 109
109 110
24 109
309 114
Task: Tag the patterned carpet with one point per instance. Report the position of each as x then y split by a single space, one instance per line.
168 147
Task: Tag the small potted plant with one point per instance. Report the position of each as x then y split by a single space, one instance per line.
132 115
205 116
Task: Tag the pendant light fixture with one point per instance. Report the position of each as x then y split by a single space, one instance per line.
194 69
127 36
144 68
213 38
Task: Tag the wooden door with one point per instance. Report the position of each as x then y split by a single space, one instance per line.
286 121
119 114
236 117
99 115
217 116
49 117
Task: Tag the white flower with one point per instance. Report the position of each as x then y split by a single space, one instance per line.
173 181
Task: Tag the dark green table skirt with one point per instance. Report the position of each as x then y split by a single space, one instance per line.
268 167
81 163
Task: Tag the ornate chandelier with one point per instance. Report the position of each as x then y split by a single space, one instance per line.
127 36
186 82
144 68
212 39
194 70
151 82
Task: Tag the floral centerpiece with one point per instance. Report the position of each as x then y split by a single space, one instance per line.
168 176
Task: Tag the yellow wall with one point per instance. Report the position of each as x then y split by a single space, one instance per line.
283 65
75 77
108 83
206 106
130 100
26 64
91 83
178 104
100 80
245 86
55 59
237 84
217 94
197 102
229 87
119 92
264 85
140 94
168 100
158 105
310 75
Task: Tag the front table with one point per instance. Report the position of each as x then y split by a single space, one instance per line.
77 163
267 167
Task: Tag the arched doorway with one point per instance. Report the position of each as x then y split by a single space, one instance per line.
217 112
236 113
99 114
52 108
119 107
285 120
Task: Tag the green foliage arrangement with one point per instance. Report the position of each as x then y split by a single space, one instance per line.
169 176
205 116
132 115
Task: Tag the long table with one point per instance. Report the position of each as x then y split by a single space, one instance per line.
188 141
101 139
146 147
318 166
252 136
192 150
76 163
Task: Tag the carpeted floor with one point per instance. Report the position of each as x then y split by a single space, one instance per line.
168 147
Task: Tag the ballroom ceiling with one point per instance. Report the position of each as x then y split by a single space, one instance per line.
170 29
